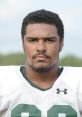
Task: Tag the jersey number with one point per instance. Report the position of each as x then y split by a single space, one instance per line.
25 110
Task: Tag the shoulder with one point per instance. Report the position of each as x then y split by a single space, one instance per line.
72 76
9 78
73 70
7 71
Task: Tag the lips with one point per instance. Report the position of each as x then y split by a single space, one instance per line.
41 57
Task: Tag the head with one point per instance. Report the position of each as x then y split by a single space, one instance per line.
42 36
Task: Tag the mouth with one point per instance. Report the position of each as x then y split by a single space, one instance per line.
41 57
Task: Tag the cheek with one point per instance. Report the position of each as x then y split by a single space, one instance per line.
28 52
53 51
54 54
28 56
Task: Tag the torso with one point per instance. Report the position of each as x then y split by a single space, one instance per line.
22 99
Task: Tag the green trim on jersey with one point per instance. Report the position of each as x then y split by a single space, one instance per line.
22 70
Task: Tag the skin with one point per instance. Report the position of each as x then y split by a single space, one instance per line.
42 45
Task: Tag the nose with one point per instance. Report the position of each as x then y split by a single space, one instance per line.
41 46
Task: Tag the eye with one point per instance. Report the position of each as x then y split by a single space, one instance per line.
51 40
32 40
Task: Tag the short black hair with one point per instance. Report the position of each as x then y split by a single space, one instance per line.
43 16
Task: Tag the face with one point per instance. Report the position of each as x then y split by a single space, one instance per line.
42 45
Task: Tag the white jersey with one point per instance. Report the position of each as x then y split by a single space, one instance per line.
18 98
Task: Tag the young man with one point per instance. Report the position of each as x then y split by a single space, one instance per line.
41 88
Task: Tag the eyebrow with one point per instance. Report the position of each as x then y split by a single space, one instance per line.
50 37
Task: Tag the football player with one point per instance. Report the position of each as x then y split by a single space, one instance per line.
41 88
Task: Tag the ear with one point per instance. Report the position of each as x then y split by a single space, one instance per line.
61 45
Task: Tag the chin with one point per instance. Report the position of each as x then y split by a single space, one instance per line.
41 69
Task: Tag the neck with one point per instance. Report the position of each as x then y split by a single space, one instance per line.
43 80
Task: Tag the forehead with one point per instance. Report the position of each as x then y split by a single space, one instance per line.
41 29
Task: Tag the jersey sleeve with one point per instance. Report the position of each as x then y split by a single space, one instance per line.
80 96
9 81
79 91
